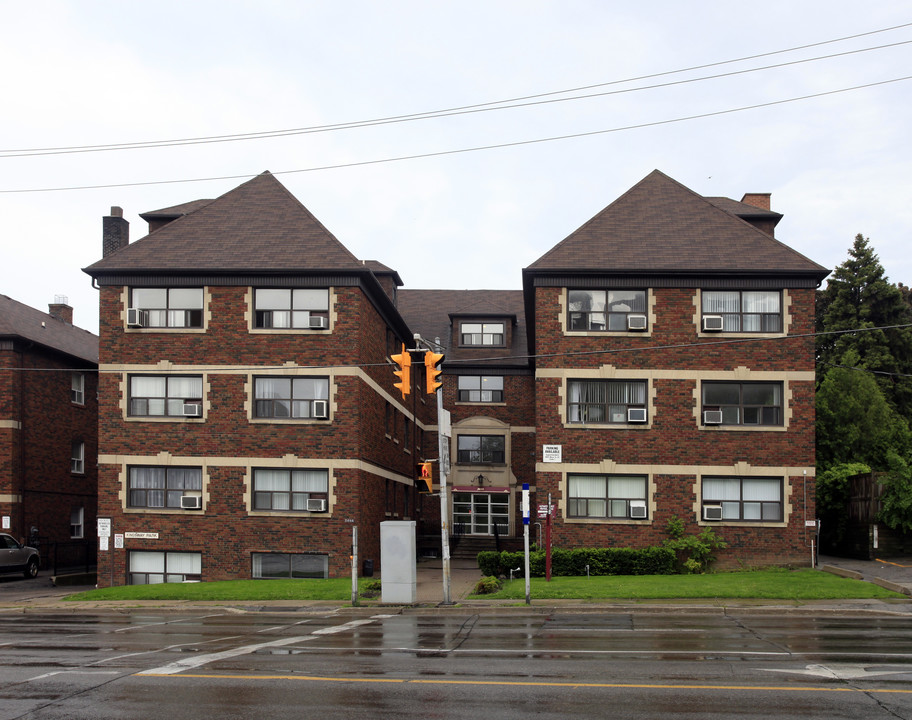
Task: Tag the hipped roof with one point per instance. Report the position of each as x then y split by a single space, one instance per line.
659 226
258 226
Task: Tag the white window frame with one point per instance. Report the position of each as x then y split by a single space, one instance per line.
77 388
290 308
743 499
607 491
581 411
736 311
480 389
176 313
77 457
257 560
608 309
157 567
478 333
172 402
77 522
300 407
280 489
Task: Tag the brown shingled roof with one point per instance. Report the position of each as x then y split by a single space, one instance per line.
429 312
259 225
21 321
660 226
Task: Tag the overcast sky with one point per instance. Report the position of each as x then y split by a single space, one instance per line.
100 73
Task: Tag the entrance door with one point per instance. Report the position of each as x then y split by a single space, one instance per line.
477 513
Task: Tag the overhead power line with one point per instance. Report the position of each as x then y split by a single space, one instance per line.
478 148
493 106
501 359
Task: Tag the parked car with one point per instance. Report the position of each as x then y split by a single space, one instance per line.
16 557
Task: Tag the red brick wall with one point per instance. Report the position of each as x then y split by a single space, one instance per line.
674 438
224 532
35 458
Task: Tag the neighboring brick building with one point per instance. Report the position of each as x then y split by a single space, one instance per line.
247 409
249 418
675 371
48 425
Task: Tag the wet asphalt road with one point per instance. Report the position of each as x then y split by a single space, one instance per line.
458 663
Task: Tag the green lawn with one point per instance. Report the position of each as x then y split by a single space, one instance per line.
763 584
235 590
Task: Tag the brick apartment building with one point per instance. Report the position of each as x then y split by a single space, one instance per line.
249 417
48 425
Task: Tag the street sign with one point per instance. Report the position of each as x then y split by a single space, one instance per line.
104 527
543 511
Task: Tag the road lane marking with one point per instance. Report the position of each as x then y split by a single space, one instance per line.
534 684
73 672
195 662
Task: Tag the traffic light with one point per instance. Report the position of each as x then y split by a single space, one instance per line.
425 481
404 373
431 359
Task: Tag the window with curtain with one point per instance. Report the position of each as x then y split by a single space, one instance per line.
152 568
748 498
290 397
169 307
604 496
745 311
290 490
163 395
291 308
749 403
604 401
290 565
162 487
478 333
596 310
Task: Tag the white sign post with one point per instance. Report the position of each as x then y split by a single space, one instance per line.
525 514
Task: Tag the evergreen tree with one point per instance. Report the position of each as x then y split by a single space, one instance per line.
858 295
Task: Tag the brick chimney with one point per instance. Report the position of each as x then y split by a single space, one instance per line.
115 232
757 200
61 309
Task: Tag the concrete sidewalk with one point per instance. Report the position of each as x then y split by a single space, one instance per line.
464 574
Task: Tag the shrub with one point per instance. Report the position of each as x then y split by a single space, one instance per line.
694 553
487 586
573 562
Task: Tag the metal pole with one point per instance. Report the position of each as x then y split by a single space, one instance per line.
525 510
548 542
443 449
354 559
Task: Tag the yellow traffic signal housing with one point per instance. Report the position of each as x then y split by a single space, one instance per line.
404 373
425 480
431 360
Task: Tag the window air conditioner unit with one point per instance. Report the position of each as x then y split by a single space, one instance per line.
320 409
191 502
136 317
637 509
636 322
712 417
712 323
712 512
316 505
636 415
193 410
319 323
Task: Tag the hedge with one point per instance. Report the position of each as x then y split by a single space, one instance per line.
601 561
